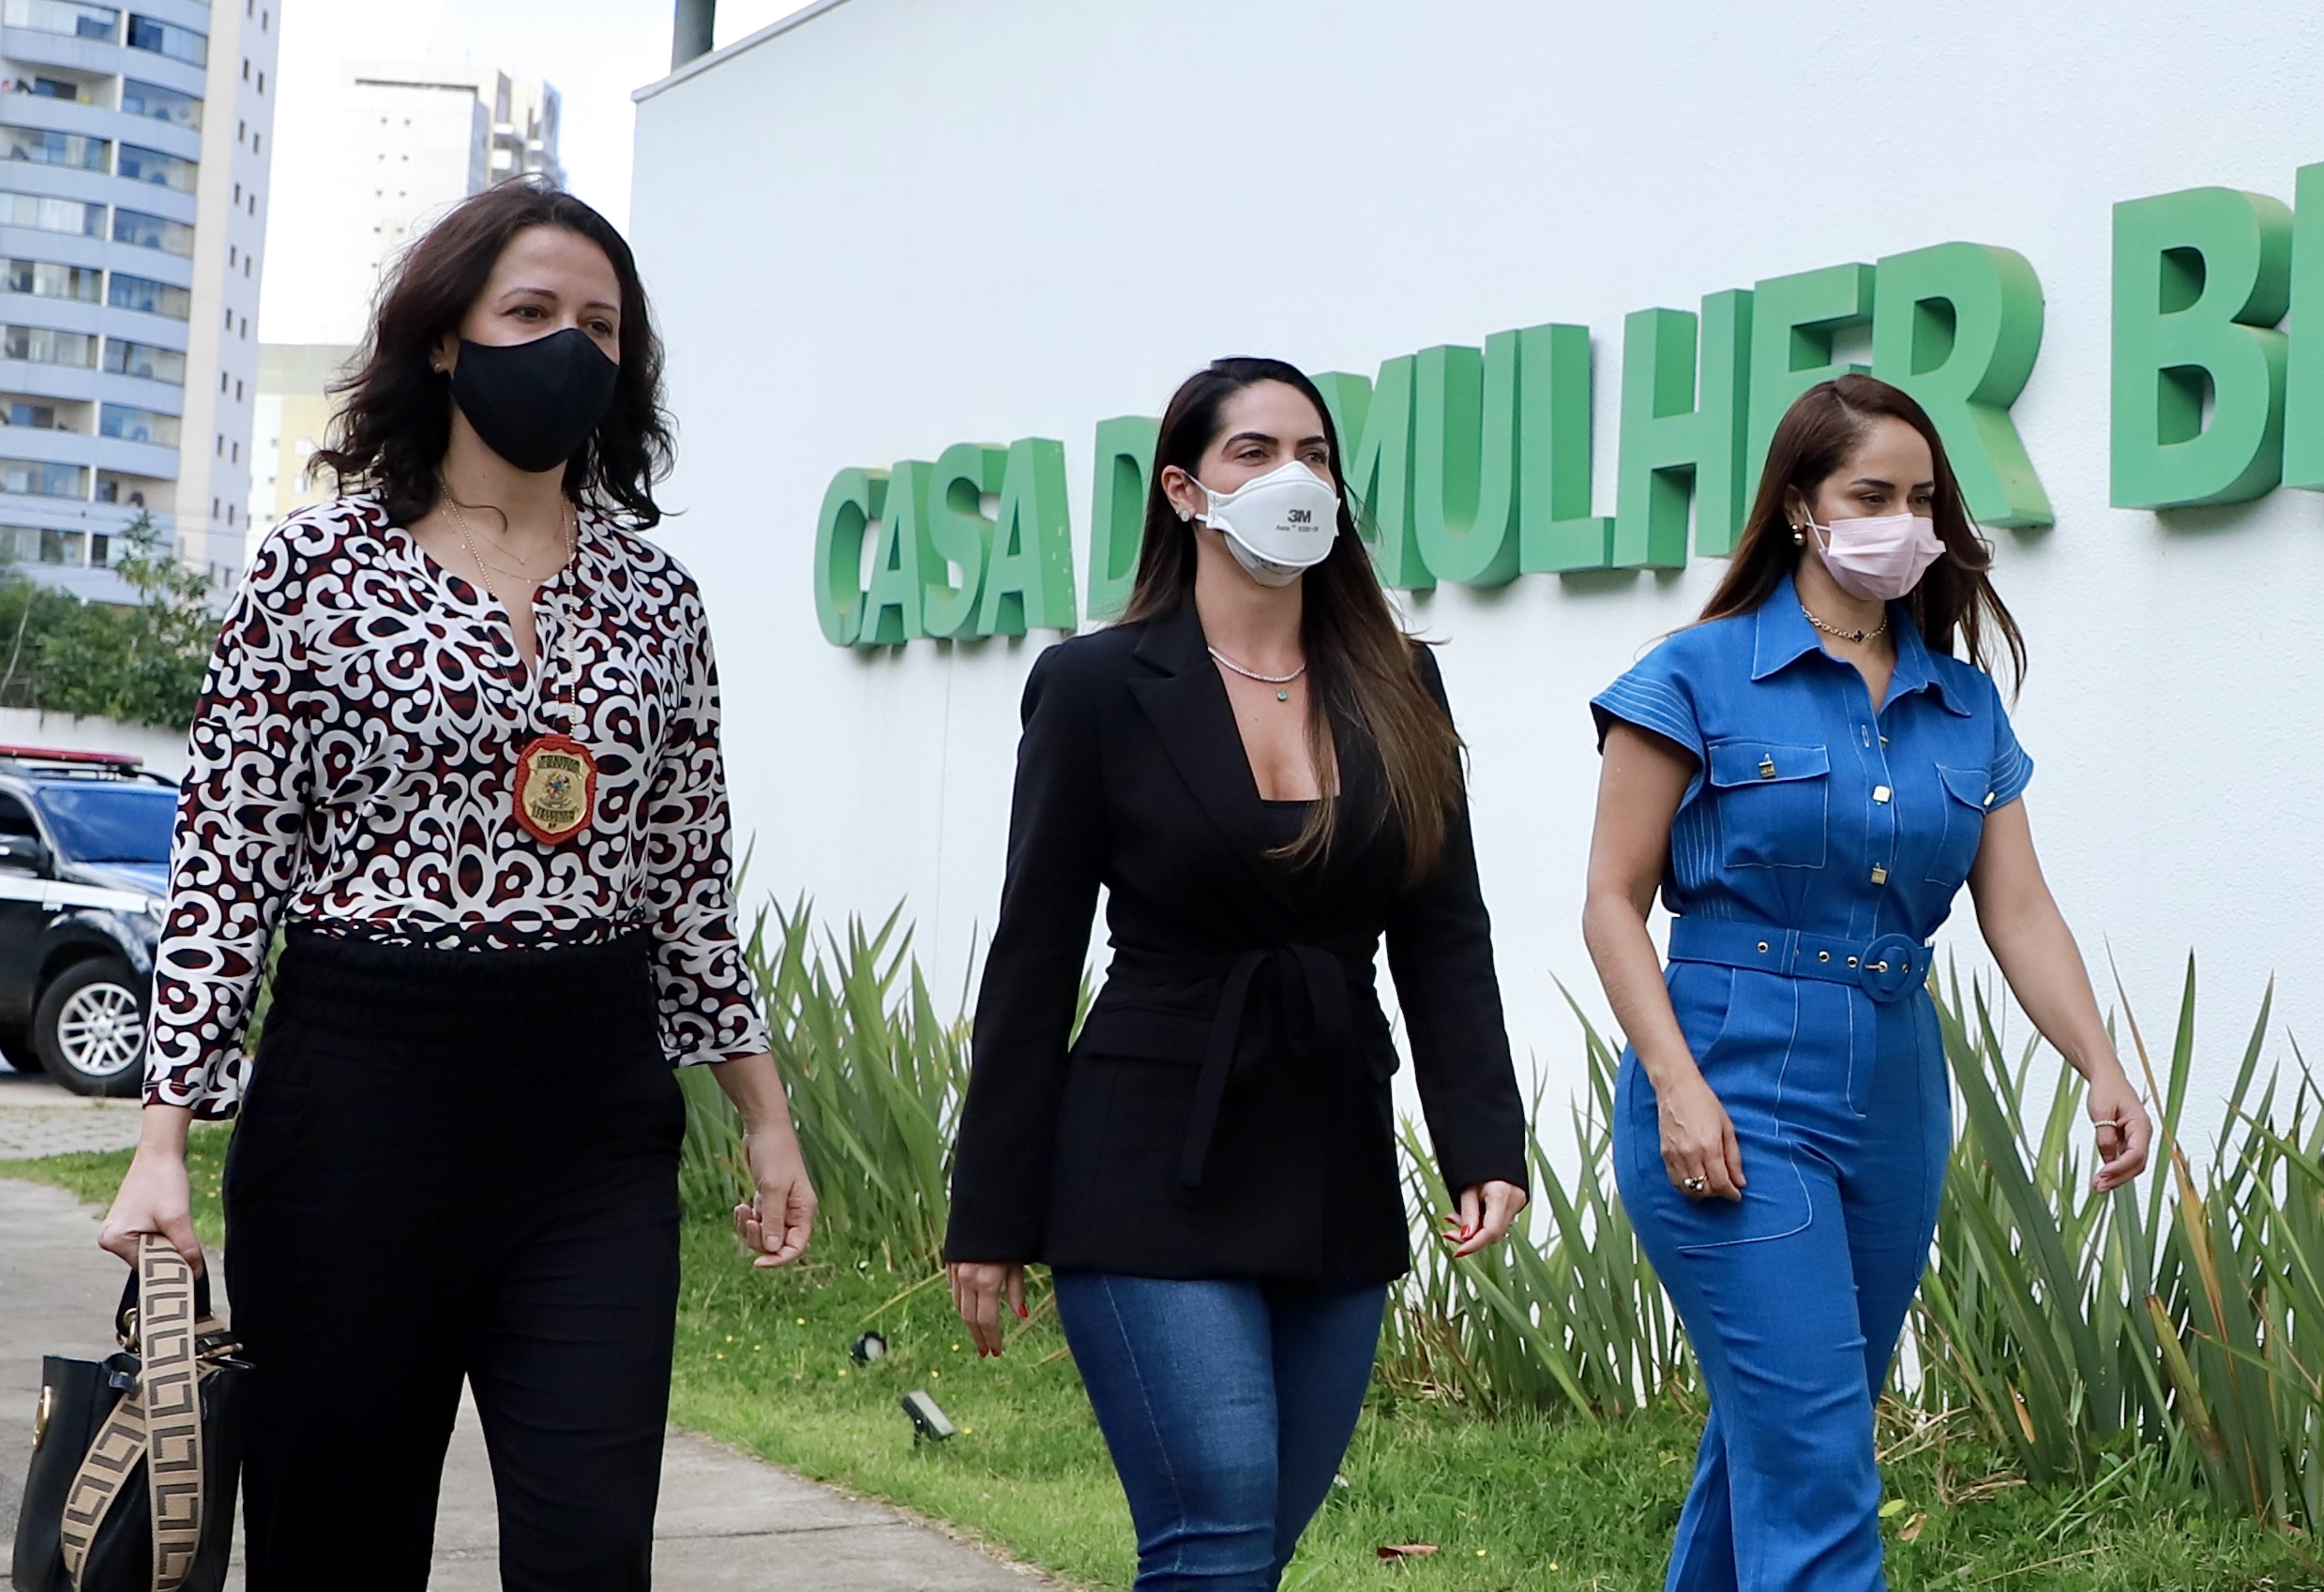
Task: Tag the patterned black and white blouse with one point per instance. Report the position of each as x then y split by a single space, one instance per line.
351 761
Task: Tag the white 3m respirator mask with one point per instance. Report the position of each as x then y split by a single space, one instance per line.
1279 526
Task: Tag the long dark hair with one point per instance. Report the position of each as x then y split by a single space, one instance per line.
1813 440
395 418
1360 666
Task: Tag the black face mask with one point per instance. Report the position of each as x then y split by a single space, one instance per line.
534 403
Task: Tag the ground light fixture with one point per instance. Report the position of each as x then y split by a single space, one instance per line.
867 1347
928 1423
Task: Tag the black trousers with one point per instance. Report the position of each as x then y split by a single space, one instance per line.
455 1164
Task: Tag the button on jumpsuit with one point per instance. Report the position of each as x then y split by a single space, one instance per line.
1817 847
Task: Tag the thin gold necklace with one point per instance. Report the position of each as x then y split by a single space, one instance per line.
460 523
1858 635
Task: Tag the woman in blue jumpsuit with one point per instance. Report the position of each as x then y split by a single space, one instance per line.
1809 774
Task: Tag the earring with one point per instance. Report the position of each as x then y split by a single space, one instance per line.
1183 516
1799 537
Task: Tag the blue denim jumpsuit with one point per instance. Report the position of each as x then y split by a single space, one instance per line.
1817 850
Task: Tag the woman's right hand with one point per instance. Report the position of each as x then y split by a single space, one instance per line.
1699 1140
154 1195
977 1289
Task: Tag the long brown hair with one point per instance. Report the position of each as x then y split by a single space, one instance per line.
1360 666
395 419
1814 439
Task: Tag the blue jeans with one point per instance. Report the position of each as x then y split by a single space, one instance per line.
1227 1406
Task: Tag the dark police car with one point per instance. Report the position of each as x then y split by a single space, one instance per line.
84 862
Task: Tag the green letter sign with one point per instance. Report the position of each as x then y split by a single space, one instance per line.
1675 443
1379 465
2303 375
851 503
958 534
1029 576
1556 531
892 601
2200 280
1117 488
1793 321
1957 328
1464 461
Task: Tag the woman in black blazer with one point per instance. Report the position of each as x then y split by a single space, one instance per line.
1262 770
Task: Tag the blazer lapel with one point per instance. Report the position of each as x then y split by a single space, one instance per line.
1189 711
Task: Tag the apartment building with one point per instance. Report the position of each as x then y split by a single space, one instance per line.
414 139
132 222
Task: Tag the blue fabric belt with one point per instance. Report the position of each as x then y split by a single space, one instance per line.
1887 969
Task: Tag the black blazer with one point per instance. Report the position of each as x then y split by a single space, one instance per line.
1225 1111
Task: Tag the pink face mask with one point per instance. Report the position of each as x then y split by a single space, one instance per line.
1878 559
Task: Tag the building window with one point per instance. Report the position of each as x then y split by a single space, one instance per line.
146 361
168 39
44 345
51 88
45 148
254 138
162 104
262 83
152 232
29 413
137 425
43 213
44 278
151 298
230 517
152 166
237 391
64 16
38 478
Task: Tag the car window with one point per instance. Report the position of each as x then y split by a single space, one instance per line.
110 823
15 818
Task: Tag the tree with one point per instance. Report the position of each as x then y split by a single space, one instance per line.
140 662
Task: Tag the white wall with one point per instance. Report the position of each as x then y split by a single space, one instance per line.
162 750
893 225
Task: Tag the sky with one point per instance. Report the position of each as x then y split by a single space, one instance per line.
595 51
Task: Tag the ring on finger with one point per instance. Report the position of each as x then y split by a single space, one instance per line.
1695 1186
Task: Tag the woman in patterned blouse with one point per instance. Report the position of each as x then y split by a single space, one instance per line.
459 740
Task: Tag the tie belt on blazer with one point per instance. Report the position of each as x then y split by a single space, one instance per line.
1318 1021
1888 969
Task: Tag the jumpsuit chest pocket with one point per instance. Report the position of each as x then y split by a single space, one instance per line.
1968 793
1773 802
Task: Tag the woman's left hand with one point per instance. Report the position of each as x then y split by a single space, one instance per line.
776 1225
1484 1215
2125 1133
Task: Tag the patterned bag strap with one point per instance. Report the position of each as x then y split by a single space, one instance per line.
161 1421
169 1384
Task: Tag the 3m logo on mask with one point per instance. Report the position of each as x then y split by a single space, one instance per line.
1301 517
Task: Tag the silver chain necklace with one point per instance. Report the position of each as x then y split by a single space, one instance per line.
1833 630
1280 682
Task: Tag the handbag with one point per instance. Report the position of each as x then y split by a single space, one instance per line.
135 1457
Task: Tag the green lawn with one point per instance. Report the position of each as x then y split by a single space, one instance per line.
1525 1502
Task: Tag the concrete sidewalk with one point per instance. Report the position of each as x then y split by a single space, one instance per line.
728 1521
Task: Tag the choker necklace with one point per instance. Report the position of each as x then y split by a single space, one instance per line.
1846 635
1280 682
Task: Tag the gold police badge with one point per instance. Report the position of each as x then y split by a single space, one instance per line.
555 789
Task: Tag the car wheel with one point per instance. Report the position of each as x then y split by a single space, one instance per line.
90 1028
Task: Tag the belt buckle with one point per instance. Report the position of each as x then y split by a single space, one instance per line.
1893 966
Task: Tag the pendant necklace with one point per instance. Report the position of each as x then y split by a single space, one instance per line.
1833 630
554 793
1282 683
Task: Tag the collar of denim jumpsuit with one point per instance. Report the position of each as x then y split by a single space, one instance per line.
1783 637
